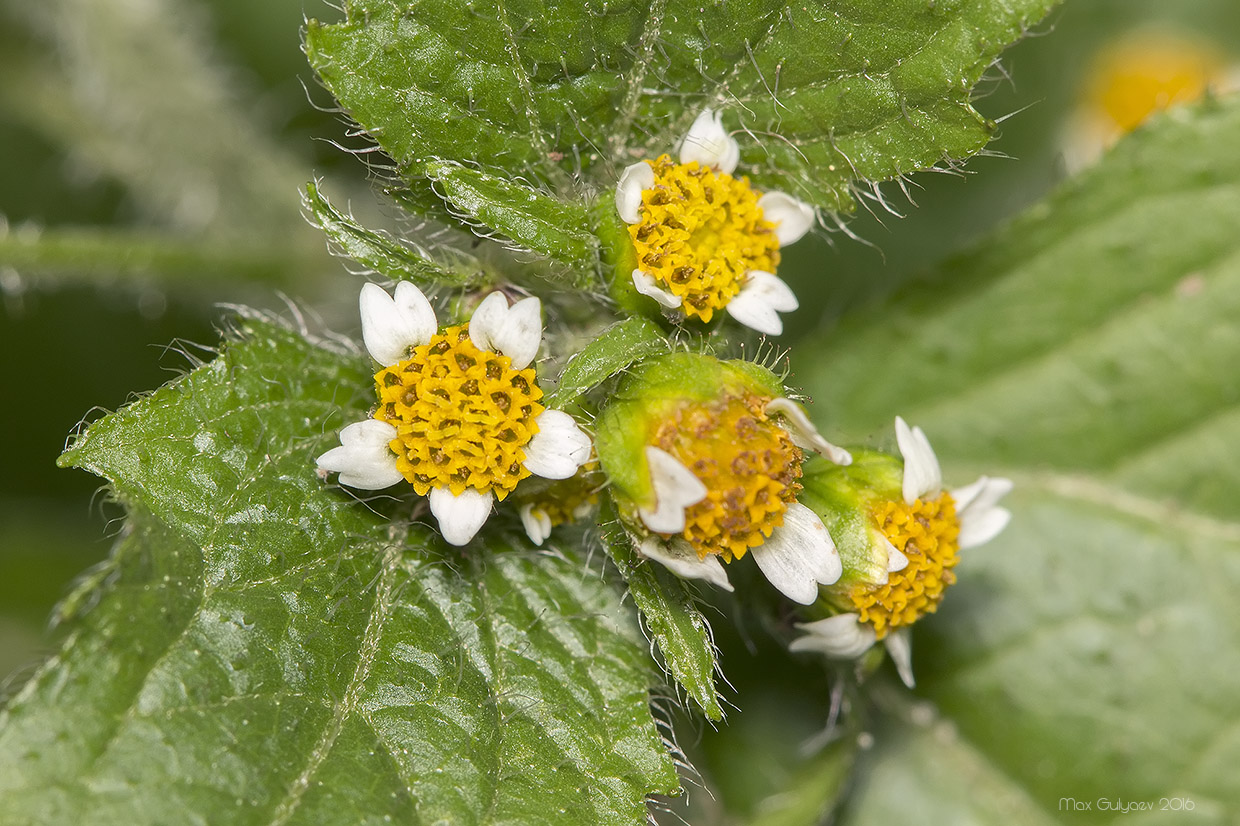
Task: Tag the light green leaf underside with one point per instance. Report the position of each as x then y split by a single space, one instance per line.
384 255
671 614
614 350
271 651
1088 351
821 93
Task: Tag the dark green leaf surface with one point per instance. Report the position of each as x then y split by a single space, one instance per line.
613 351
386 256
1087 351
670 612
267 650
822 93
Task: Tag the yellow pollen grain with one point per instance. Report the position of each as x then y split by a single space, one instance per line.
463 416
927 532
750 468
700 233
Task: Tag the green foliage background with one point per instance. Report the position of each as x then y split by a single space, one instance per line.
152 165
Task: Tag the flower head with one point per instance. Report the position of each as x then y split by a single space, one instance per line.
459 413
559 502
1135 77
706 241
900 534
704 457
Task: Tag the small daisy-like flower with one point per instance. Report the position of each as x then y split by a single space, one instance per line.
900 561
1137 76
459 414
705 461
706 241
560 502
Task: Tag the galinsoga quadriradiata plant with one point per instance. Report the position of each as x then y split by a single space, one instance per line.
466 562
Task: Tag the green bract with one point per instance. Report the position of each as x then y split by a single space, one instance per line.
842 496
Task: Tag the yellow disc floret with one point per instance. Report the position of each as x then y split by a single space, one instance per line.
463 416
927 532
750 468
700 233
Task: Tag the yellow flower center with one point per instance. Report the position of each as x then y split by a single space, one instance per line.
1141 76
927 531
748 464
463 416
700 233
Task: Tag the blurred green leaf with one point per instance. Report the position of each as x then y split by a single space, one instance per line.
267 649
1088 351
670 612
609 354
823 93
386 256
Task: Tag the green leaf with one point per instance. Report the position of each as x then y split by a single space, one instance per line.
821 94
522 214
1087 350
386 256
670 612
619 346
269 649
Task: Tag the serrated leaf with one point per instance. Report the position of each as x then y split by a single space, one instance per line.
822 94
671 614
270 650
1088 351
529 218
616 348
386 256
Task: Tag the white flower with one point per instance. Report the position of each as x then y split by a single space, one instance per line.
844 636
725 213
981 519
392 327
796 558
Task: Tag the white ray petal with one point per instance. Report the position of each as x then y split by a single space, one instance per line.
792 217
978 528
392 325
646 285
900 649
680 558
364 459
675 488
461 516
983 494
760 302
803 432
896 560
558 448
799 556
922 476
709 144
840 637
537 523
635 180
515 331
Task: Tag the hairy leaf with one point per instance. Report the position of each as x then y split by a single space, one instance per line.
527 217
820 94
387 256
267 649
1088 351
668 607
621 345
